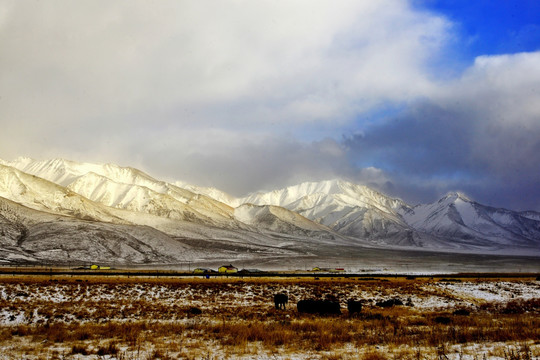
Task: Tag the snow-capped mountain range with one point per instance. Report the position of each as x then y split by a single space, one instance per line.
62 210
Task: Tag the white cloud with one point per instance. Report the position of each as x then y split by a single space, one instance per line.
65 61
499 98
230 84
503 87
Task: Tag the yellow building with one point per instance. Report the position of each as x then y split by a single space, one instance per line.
228 269
97 267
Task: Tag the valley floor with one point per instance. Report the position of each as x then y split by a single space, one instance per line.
94 317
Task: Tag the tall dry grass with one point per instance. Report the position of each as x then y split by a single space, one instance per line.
156 319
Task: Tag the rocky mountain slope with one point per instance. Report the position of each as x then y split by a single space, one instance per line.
463 221
64 210
452 223
347 208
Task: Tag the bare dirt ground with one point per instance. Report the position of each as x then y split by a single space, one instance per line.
94 317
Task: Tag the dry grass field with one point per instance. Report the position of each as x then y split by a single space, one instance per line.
97 317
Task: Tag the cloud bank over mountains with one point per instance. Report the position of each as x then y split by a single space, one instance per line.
270 94
482 131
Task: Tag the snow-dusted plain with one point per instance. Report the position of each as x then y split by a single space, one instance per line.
67 212
64 317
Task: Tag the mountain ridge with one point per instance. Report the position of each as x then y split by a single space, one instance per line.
299 217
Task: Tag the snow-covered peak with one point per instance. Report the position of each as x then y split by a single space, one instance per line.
286 196
453 197
454 206
43 195
59 171
343 206
324 193
22 160
211 192
64 172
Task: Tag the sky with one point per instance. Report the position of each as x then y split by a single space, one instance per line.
413 98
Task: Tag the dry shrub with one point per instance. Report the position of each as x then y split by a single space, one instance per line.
82 333
521 306
333 357
5 334
79 349
374 355
55 332
20 330
109 349
159 354
515 353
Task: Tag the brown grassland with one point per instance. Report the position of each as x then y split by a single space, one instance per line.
98 317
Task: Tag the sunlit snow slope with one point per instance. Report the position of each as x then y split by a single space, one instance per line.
128 212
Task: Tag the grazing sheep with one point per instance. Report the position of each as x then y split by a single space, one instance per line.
281 300
321 307
354 306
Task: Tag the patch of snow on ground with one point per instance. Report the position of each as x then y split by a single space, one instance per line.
499 291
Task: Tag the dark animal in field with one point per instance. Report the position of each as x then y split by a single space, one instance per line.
442 320
389 302
462 312
321 307
409 302
354 306
281 300
195 311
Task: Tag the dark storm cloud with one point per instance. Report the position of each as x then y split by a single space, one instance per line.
427 140
480 135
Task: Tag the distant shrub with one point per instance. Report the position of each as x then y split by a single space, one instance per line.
375 316
109 349
374 355
518 354
79 349
522 306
